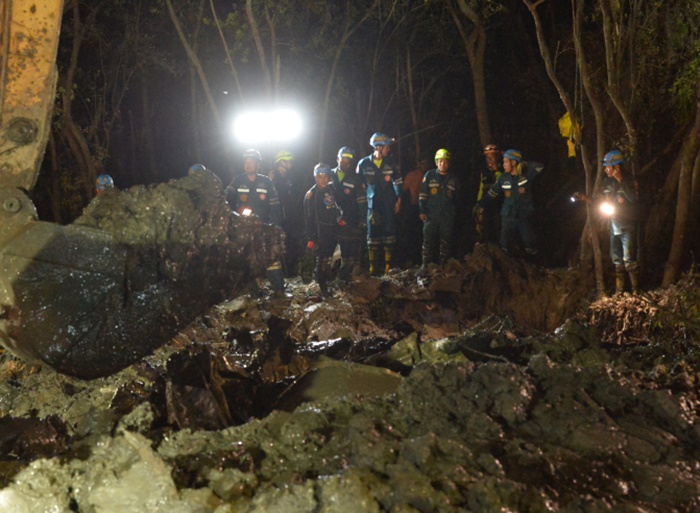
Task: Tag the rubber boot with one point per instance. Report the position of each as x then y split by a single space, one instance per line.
346 270
322 275
372 255
425 257
444 252
619 282
634 281
307 265
276 277
387 260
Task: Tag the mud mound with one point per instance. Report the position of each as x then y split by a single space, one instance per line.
390 395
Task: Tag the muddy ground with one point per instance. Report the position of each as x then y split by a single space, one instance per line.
487 385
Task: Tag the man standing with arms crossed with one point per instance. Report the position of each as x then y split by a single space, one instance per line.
383 183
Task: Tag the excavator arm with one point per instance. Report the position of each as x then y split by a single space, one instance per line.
93 297
29 32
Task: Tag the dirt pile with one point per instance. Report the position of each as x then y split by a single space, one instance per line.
392 395
136 267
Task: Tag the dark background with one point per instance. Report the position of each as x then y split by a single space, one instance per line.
141 106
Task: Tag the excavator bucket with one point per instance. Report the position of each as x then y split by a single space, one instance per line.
91 298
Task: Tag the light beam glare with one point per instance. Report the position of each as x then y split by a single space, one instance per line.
261 126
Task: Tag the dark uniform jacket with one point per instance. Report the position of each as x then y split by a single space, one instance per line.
437 195
351 197
516 191
321 213
383 184
259 195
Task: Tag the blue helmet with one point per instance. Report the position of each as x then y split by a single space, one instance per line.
322 169
346 153
104 182
513 155
613 158
380 139
196 168
252 153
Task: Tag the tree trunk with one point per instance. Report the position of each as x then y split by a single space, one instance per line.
229 56
613 45
412 105
686 158
54 189
592 176
196 64
147 130
475 46
347 33
257 38
71 132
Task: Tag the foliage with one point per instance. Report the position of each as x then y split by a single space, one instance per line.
685 49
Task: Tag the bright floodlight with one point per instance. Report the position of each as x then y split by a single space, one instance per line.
261 126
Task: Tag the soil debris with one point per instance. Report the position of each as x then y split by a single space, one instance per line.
390 395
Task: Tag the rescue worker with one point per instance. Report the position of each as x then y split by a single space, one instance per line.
290 204
252 193
487 222
352 199
518 208
618 200
103 182
323 217
196 168
383 184
411 235
437 197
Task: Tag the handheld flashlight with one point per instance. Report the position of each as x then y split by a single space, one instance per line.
607 208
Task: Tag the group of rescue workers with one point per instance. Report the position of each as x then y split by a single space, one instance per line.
350 208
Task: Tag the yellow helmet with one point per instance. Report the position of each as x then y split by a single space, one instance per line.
283 155
442 154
